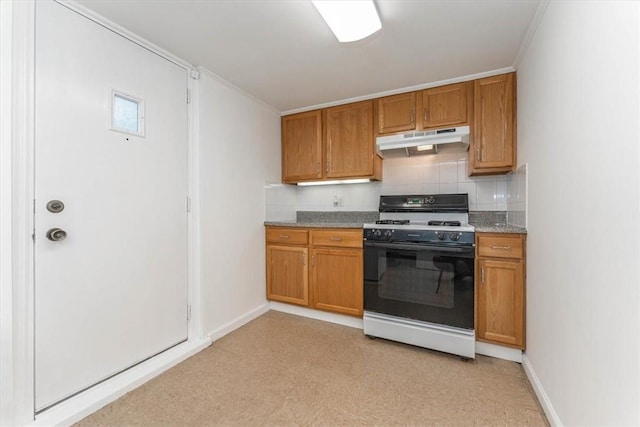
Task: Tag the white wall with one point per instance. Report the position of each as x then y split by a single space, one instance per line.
578 131
6 285
239 143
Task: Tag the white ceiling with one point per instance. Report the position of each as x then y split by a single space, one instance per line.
282 52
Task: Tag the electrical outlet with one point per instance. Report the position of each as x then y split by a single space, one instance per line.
338 200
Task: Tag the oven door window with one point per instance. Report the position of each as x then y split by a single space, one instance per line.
422 283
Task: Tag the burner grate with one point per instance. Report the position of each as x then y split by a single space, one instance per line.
445 223
393 221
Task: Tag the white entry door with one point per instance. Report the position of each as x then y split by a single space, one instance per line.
111 204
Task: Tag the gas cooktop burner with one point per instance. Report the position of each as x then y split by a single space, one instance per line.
445 223
393 221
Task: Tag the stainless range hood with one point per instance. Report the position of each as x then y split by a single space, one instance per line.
425 141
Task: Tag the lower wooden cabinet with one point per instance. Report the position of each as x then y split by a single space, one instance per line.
316 268
500 289
336 280
288 265
287 274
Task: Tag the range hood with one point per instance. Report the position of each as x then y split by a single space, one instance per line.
425 141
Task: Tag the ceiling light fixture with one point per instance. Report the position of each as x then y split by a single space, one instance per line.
350 20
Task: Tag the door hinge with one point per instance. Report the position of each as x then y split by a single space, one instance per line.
33 236
188 204
188 96
188 312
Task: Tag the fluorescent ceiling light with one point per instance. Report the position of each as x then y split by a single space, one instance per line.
350 20
342 181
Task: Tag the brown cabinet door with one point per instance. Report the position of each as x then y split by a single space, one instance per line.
492 148
500 302
337 281
302 147
349 140
445 105
287 274
396 113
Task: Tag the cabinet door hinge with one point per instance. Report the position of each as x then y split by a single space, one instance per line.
188 204
188 96
188 312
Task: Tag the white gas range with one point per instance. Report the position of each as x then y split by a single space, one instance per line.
419 273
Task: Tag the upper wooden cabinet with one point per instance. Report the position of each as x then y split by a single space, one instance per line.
334 143
438 107
396 113
450 105
492 147
349 140
302 147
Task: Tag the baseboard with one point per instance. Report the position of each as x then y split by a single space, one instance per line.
498 351
78 407
234 324
543 398
340 319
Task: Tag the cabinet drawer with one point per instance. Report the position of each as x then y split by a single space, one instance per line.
339 238
500 246
291 236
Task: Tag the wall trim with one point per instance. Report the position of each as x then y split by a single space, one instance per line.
543 398
239 321
531 31
100 395
339 319
123 32
498 351
402 90
236 88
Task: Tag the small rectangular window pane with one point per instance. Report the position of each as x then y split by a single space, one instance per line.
126 114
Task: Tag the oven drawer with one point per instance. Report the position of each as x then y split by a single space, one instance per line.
500 246
291 236
338 238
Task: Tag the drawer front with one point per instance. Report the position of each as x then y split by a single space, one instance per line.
290 236
497 246
340 238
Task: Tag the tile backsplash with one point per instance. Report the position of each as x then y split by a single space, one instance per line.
442 173
517 185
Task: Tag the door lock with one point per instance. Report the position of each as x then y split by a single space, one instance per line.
55 206
56 234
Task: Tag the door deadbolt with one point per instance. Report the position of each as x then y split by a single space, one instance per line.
56 234
55 206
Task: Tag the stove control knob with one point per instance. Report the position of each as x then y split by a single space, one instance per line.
388 234
455 236
377 233
441 235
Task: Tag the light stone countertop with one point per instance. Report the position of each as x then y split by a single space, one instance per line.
500 229
484 222
305 224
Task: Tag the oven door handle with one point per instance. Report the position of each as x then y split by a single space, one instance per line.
422 247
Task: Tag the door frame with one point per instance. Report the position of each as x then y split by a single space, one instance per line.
17 147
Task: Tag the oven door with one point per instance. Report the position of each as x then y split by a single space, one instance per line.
430 283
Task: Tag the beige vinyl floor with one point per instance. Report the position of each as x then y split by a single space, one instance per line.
287 370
